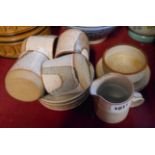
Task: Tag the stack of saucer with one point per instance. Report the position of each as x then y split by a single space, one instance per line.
68 101
68 76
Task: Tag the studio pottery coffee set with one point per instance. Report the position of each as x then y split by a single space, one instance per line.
57 72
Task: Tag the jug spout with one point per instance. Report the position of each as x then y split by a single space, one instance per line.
94 87
98 82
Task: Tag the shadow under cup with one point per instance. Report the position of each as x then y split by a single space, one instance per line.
117 92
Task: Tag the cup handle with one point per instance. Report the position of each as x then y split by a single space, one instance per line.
85 53
137 100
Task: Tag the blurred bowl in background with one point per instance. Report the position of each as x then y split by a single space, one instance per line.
96 34
143 30
141 38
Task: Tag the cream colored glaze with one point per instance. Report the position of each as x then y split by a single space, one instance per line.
23 80
127 60
111 112
42 43
72 41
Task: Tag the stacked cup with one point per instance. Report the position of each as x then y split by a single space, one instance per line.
59 79
70 86
24 81
67 78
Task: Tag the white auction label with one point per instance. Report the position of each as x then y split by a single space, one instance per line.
119 108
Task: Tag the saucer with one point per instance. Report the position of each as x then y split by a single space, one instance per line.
67 105
138 85
61 100
67 102
144 81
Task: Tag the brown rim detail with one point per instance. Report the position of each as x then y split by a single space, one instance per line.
21 37
29 28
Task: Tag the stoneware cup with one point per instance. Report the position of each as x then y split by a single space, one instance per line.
72 41
114 94
23 81
127 60
66 75
44 44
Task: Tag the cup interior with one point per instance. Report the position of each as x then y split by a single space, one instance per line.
125 59
115 90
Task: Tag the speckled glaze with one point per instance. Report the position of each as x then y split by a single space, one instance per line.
23 81
66 102
108 111
41 43
72 41
126 51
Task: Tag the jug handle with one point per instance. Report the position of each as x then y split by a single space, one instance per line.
137 100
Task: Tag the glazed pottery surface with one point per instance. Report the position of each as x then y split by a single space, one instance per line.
113 95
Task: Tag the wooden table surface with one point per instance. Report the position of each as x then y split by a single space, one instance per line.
14 113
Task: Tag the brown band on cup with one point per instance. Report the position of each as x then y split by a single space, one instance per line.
64 53
55 46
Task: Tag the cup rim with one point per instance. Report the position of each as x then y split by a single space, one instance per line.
122 76
113 70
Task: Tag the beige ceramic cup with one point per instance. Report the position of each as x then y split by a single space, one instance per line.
72 41
66 75
114 95
44 44
23 81
127 60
